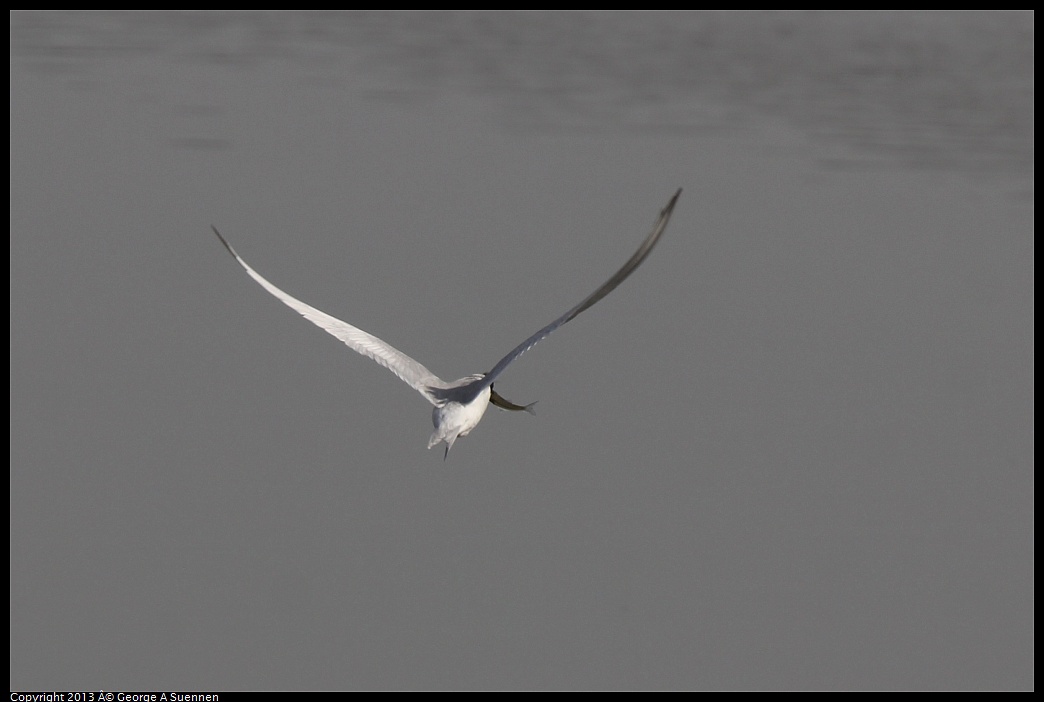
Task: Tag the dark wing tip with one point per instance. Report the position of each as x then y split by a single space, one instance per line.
227 245
670 205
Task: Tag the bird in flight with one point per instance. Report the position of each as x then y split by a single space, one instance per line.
459 404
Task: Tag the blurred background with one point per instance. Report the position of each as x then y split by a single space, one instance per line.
793 451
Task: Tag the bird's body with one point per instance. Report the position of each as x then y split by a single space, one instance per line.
459 417
460 404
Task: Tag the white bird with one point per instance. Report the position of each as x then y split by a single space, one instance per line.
460 404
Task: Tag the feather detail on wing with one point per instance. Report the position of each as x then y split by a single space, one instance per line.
607 287
412 372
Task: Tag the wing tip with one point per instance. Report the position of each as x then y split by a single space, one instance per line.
673 201
223 241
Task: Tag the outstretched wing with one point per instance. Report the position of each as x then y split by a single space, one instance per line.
606 288
412 372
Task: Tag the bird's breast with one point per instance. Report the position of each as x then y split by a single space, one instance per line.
457 418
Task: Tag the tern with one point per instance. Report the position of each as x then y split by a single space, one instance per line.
459 404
